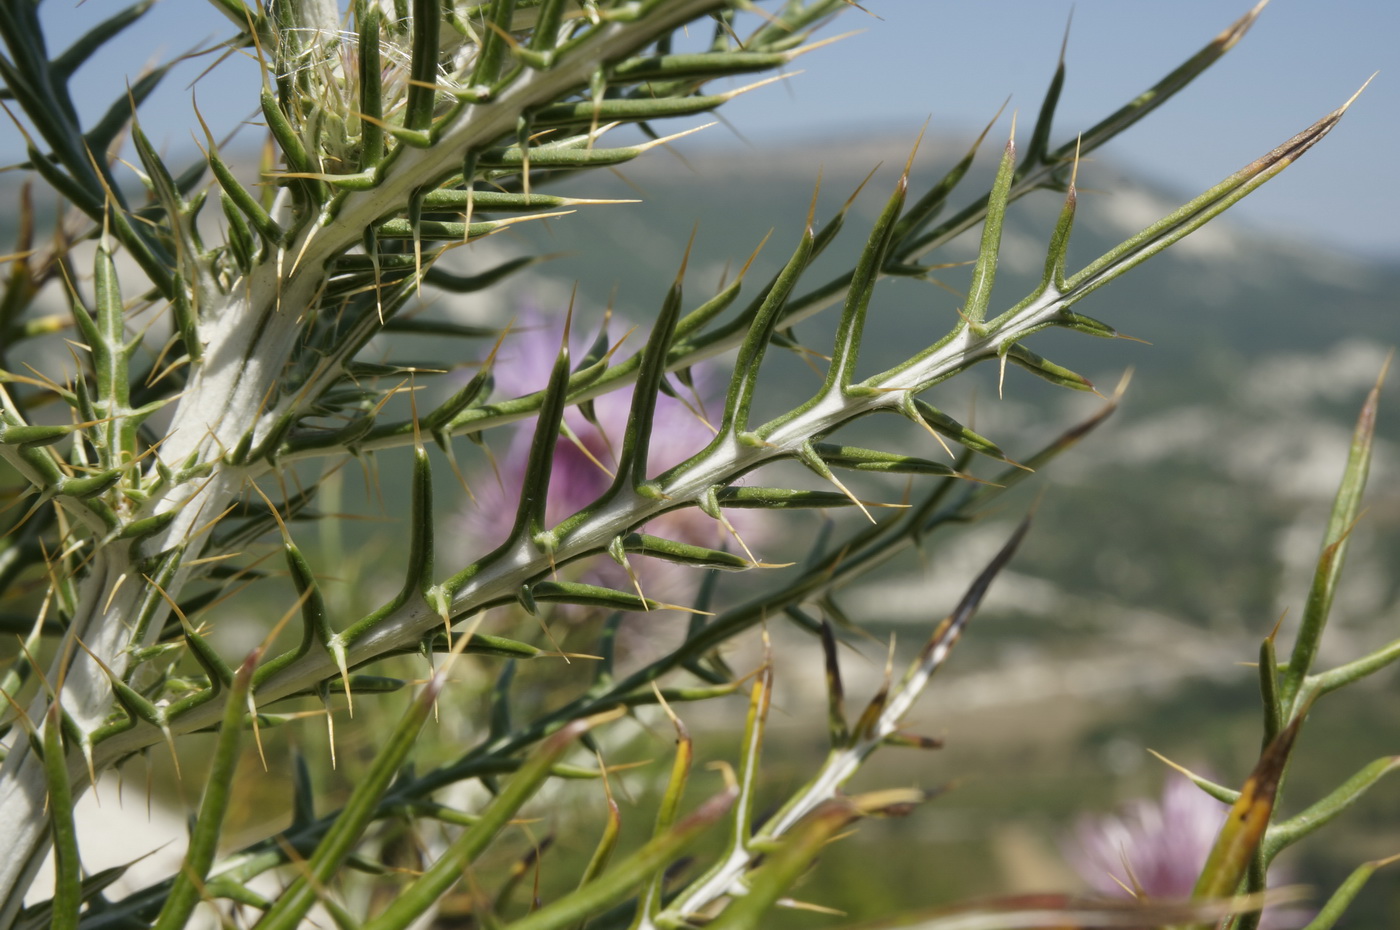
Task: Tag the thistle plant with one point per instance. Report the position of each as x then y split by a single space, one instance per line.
235 361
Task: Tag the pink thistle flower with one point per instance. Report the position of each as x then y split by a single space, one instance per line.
584 465
1157 848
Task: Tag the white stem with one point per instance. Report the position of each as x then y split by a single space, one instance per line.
248 339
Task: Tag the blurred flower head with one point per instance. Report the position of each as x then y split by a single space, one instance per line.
1157 848
584 465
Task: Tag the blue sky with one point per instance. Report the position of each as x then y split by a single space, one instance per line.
954 64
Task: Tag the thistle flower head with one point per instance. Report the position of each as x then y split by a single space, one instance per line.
1156 849
585 461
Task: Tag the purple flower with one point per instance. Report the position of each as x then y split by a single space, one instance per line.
1157 849
583 469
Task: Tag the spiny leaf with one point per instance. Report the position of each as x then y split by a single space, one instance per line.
503 201
698 65
485 644
626 109
744 785
292 905
500 717
121 111
419 577
1058 251
615 884
744 381
1285 834
440 231
607 843
300 166
807 455
591 595
748 497
496 33
1342 675
187 319
1195 214
423 64
1341 899
371 97
1247 821
67 866
241 244
553 157
857 458
1037 150
649 902
632 459
20 434
681 553
1159 93
425 892
913 741
946 635
790 859
837 727
927 207
979 295
465 284
1088 325
316 627
303 792
939 422
846 350
185 894
1345 509
1044 368
1268 686
530 517
246 204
